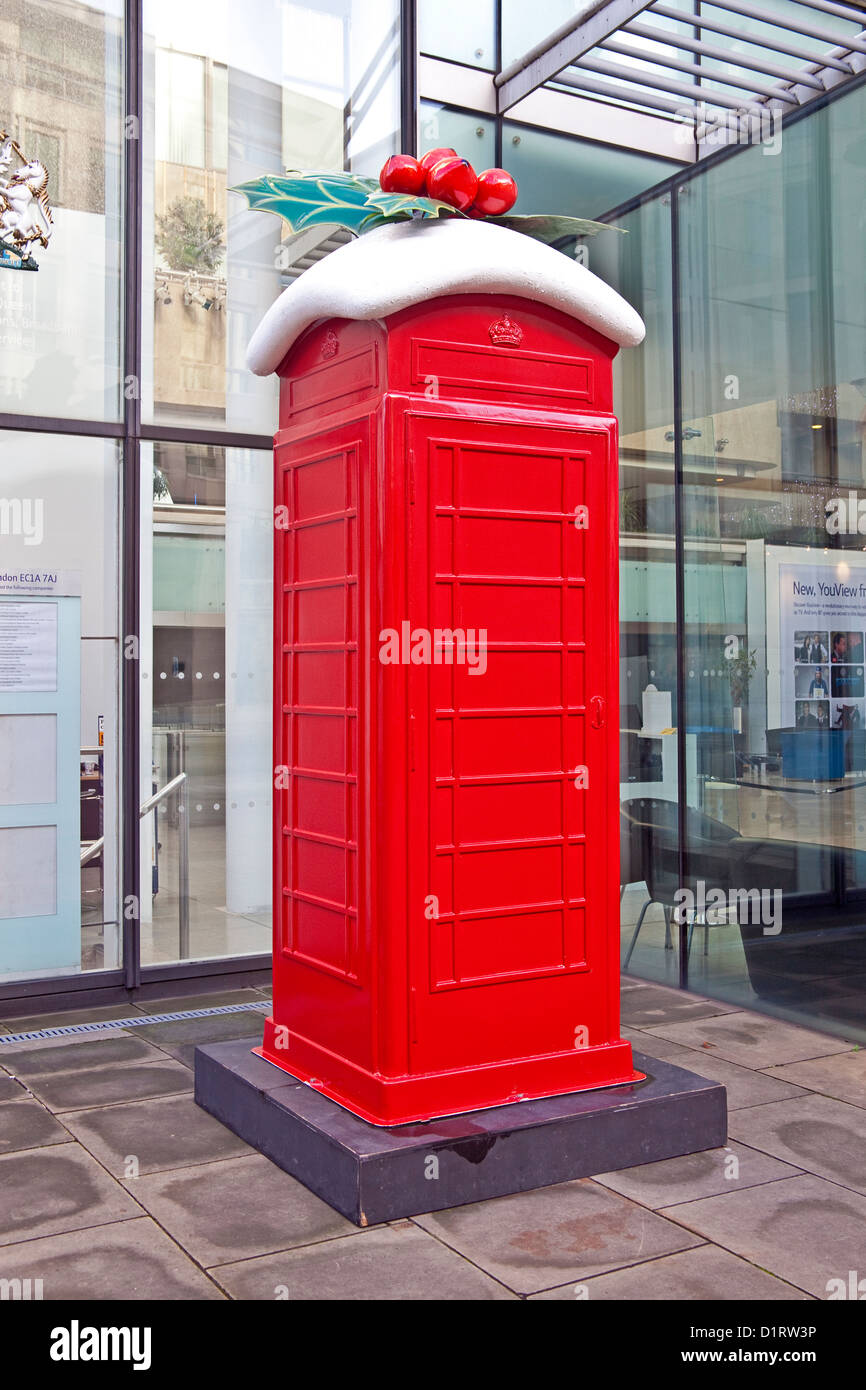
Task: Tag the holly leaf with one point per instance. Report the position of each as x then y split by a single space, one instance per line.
550 227
395 205
306 200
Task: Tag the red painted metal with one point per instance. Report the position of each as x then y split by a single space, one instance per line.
446 925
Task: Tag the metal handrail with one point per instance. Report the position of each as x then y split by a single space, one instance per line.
160 795
95 847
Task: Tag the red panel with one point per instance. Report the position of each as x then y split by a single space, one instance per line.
503 743
317 903
449 349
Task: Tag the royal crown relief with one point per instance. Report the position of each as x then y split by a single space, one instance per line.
25 212
505 332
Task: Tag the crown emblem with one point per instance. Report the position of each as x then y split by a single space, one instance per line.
25 212
330 344
505 332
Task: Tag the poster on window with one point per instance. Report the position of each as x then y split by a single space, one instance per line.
822 630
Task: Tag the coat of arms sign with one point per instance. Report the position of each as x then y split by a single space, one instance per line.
25 212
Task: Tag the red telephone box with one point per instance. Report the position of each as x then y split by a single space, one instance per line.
446 692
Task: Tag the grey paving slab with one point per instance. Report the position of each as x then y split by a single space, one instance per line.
226 1211
28 1125
706 1274
158 1134
10 1089
696 1175
180 1039
843 1077
174 1004
752 1040
536 1240
67 1054
743 1086
824 1136
656 1004
398 1262
127 1260
655 1046
49 1190
77 1090
805 1230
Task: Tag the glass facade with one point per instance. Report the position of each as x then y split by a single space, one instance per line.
755 793
135 469
232 91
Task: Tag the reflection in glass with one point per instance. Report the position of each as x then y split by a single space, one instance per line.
233 92
773 403
206 704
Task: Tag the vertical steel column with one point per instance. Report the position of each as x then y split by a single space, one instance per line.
183 872
679 572
130 662
498 120
408 77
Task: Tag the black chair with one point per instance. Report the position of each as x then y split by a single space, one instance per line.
650 843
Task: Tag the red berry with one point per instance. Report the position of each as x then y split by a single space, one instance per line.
433 157
497 192
453 181
401 174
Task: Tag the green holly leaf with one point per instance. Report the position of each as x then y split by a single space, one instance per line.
392 206
306 200
550 227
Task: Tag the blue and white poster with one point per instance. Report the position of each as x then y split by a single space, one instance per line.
821 656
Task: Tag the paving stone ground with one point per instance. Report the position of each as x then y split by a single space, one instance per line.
115 1185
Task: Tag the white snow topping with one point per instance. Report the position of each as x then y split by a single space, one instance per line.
406 263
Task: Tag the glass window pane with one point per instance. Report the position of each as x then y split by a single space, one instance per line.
233 92
774 323
557 173
638 265
206 702
465 35
61 109
59 669
523 26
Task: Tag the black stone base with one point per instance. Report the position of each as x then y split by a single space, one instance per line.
371 1174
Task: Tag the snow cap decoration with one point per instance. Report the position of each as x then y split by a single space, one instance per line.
412 248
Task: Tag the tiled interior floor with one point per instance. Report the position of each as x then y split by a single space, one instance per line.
114 1184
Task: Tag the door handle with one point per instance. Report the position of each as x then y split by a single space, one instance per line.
596 706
